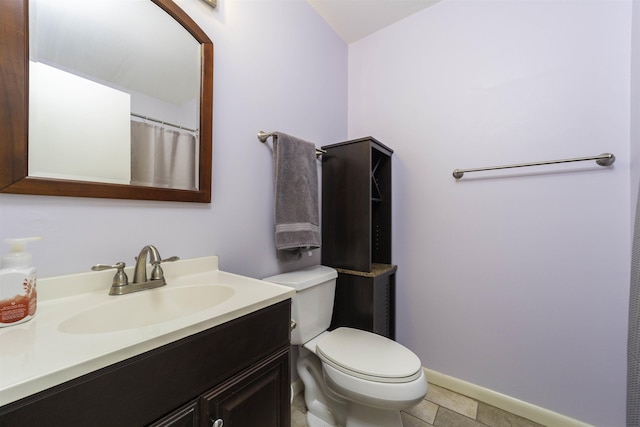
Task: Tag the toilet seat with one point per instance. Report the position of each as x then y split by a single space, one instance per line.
368 356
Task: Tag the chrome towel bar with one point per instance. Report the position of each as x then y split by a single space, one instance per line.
263 136
605 159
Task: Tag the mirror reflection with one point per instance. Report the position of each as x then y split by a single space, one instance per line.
114 94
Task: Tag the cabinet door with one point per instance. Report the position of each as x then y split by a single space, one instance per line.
187 416
258 396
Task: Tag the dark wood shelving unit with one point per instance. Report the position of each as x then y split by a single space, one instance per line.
356 233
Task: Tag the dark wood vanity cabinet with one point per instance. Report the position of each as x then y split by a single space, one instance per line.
237 372
186 416
251 399
356 233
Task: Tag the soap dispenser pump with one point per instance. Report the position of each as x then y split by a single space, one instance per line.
18 296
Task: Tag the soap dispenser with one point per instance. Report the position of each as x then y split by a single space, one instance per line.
18 296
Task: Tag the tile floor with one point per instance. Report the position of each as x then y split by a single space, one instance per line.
440 408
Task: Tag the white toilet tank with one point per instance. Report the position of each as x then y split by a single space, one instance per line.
312 305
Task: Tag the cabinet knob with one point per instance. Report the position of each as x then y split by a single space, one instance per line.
293 324
216 423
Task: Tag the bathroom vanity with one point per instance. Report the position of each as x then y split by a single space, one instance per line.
229 362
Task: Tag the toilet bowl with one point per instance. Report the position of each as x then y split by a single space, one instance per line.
352 378
372 369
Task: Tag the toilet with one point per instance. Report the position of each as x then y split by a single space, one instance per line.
352 378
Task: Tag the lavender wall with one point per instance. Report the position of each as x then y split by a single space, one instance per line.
635 108
516 281
278 66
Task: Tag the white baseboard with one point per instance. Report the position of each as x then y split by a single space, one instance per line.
509 404
490 397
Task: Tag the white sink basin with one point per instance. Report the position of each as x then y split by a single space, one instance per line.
146 308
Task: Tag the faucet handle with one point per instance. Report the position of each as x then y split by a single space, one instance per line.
156 272
120 278
170 259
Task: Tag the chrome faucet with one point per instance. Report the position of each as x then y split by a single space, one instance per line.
140 272
121 285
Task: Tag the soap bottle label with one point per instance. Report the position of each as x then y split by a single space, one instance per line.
18 296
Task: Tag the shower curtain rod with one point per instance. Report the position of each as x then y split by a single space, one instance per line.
605 159
151 119
263 136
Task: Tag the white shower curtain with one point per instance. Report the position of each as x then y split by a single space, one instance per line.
163 157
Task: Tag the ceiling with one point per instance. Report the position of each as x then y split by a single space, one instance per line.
355 19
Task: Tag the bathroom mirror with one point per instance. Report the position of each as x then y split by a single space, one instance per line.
21 165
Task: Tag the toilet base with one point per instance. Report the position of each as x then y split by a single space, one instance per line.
361 416
329 406
324 409
366 416
313 421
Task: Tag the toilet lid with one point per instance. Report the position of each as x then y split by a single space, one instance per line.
368 356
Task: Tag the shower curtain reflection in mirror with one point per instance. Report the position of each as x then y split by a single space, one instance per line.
163 157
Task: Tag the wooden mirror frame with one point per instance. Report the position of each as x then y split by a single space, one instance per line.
14 117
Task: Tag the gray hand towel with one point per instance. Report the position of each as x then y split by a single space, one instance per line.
296 193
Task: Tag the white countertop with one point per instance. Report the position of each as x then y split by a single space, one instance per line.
36 355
